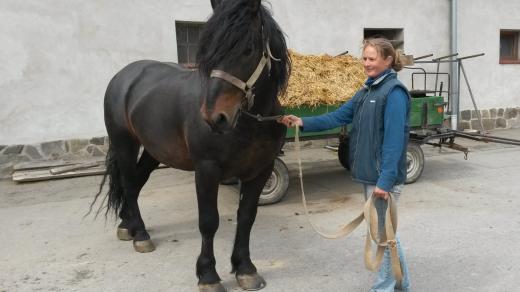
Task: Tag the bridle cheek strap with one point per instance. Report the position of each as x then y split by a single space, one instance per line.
246 87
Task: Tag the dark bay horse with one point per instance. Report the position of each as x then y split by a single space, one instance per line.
202 120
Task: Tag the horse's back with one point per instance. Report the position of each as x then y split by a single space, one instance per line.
145 71
136 80
152 101
125 80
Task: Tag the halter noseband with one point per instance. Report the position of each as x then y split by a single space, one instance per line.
248 86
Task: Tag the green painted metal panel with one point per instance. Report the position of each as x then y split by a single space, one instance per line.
425 112
416 112
308 111
434 116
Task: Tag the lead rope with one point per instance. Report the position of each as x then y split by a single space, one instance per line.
369 214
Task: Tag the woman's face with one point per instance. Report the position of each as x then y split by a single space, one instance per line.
374 63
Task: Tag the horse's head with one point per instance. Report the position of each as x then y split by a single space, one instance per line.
236 60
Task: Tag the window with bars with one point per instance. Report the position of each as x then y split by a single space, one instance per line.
509 51
188 34
394 35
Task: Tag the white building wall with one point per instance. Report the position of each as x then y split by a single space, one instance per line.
57 57
333 26
493 84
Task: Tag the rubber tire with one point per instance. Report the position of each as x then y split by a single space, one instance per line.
276 187
343 149
414 162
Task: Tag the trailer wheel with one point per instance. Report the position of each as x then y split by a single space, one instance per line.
414 162
276 186
343 149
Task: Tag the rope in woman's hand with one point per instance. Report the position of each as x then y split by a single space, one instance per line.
369 214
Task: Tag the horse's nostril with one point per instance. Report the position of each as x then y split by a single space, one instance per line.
220 120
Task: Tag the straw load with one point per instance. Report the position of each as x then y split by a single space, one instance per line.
324 79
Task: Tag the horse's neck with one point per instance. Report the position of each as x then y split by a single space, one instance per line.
267 103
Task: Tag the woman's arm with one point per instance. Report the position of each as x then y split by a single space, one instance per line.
341 116
394 137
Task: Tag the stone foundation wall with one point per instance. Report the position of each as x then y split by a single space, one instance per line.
54 150
500 118
497 118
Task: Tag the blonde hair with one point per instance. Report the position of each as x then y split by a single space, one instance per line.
385 48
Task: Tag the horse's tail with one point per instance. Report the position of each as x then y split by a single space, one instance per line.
115 194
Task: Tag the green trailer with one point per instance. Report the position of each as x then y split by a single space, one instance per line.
427 112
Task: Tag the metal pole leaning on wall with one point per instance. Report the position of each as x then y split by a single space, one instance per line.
469 87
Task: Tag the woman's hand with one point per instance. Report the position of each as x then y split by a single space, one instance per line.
379 193
291 121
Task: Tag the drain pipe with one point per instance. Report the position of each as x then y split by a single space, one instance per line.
454 68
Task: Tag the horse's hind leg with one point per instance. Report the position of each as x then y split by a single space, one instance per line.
129 177
145 166
130 214
243 267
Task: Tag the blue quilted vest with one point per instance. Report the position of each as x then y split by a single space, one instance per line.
366 135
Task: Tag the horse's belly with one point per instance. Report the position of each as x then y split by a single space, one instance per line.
174 155
180 162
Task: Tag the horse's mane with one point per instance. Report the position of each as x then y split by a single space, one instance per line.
229 34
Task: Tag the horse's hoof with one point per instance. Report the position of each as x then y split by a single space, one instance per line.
251 282
144 246
211 288
124 234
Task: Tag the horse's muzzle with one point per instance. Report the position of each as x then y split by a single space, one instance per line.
219 122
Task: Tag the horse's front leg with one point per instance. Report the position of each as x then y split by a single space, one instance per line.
243 267
207 176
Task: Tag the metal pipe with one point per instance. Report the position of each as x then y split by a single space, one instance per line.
341 54
422 57
445 57
417 68
475 137
458 88
437 75
472 98
439 66
471 56
432 62
454 70
488 138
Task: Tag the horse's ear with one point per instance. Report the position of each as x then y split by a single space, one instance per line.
215 3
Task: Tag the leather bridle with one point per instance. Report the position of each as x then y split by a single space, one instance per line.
247 87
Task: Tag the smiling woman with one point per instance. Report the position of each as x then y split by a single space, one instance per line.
379 114
378 56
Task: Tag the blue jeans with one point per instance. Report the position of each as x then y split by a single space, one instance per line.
385 281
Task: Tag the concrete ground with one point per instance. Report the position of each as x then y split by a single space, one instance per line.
458 224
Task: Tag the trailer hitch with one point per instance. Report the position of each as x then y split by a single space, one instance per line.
461 148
